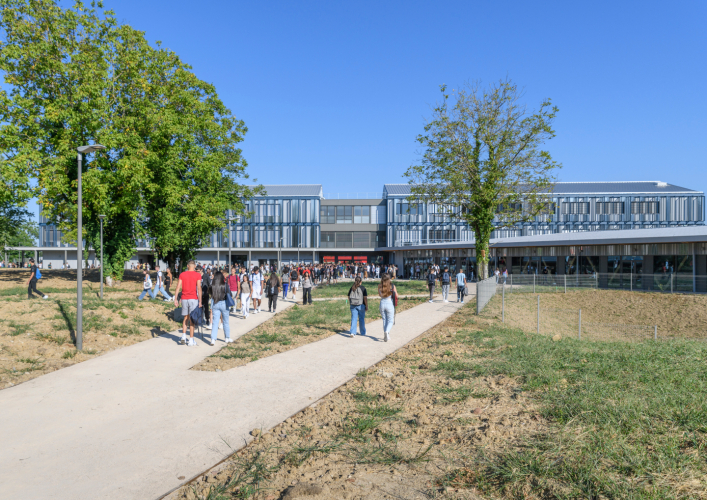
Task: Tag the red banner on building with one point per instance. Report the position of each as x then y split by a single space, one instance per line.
329 258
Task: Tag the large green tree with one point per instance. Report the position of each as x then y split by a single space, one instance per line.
77 76
482 161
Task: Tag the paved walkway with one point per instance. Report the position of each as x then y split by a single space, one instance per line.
131 423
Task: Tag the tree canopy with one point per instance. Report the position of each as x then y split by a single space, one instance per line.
172 164
482 161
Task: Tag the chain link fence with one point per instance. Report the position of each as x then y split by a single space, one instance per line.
534 316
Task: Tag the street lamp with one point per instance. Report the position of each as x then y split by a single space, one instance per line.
82 150
298 245
230 219
279 258
101 217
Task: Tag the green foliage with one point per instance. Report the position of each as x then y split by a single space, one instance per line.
481 161
75 76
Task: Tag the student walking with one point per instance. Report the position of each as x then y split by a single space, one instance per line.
35 274
285 282
306 288
273 290
388 294
294 280
233 284
168 278
461 286
190 284
219 311
206 278
358 301
446 280
256 281
159 287
246 294
146 286
431 281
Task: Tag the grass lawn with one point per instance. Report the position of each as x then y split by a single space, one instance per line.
342 288
628 420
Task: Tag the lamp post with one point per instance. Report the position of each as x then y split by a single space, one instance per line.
230 219
298 245
82 150
101 217
279 258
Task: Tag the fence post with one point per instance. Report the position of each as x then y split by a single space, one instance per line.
533 283
503 304
580 325
671 282
655 332
596 281
478 297
631 278
565 283
511 276
538 314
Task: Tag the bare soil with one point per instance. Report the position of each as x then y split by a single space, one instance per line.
402 429
606 314
37 336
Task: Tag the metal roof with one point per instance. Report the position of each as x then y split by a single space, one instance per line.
293 190
588 188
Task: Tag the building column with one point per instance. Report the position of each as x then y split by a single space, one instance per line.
700 266
64 258
218 257
313 252
561 265
36 259
647 272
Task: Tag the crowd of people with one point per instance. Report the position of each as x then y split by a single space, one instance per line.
217 291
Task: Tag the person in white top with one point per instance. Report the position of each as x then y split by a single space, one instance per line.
256 281
159 287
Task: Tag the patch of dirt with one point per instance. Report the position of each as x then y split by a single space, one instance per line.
397 430
37 336
276 336
606 314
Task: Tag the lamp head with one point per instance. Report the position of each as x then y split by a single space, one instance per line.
90 149
101 217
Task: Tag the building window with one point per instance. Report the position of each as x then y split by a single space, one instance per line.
328 215
610 208
362 215
361 240
344 215
328 239
575 208
344 240
441 235
379 239
645 207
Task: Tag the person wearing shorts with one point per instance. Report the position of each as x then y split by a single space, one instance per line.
190 284
294 279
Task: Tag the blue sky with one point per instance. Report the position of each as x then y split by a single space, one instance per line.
335 92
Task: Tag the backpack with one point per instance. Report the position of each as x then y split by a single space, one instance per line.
293 275
38 274
431 279
445 278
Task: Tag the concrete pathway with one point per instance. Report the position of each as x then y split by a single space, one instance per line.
132 423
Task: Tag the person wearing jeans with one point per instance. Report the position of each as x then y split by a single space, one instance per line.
431 279
219 309
146 286
461 286
159 287
358 301
387 291
285 279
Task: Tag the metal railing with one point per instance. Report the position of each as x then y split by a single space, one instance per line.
353 196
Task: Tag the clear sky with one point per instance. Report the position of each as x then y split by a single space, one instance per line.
335 92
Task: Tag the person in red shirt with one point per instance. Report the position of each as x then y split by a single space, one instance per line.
190 284
234 284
